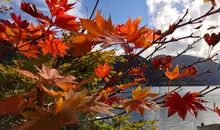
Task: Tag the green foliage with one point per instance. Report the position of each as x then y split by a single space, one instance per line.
11 82
116 123
123 123
83 67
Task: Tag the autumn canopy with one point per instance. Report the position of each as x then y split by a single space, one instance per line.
64 78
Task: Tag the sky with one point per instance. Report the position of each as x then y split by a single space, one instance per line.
158 14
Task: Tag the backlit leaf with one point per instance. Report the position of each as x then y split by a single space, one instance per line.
103 71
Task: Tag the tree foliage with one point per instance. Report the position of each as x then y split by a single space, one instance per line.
54 79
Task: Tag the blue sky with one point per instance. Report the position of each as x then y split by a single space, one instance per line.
120 10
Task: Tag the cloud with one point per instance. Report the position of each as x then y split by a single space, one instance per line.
165 12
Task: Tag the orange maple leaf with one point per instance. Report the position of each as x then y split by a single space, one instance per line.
28 49
102 31
173 74
139 103
132 32
82 43
53 46
59 6
103 71
190 71
66 112
135 82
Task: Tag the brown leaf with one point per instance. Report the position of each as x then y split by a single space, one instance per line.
101 108
12 105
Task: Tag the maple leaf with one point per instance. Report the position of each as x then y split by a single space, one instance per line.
101 107
131 84
173 74
70 23
38 120
111 100
189 102
141 94
28 49
53 77
103 93
82 43
66 111
190 71
141 37
13 105
22 24
100 34
139 103
103 24
142 42
32 10
138 71
53 46
59 6
51 92
162 63
27 74
130 30
156 62
103 71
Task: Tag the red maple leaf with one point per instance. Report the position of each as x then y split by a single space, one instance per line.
58 6
17 19
32 10
188 102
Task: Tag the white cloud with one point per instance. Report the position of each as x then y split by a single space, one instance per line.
165 12
77 10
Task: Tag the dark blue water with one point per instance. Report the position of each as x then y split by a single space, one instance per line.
175 122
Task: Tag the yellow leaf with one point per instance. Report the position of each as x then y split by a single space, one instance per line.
138 94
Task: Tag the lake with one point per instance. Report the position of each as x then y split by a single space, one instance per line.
175 122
